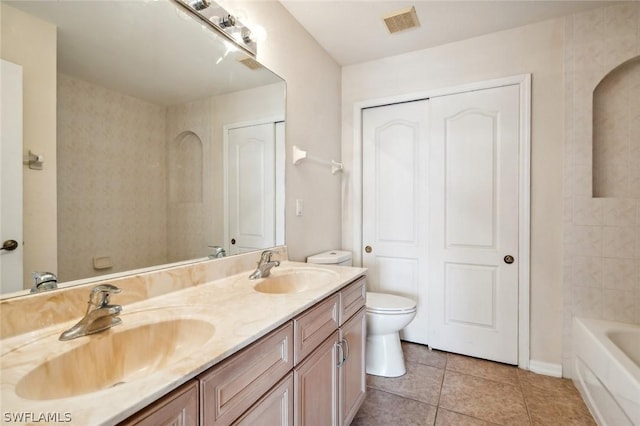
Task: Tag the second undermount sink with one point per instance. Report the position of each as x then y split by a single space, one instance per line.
115 357
295 280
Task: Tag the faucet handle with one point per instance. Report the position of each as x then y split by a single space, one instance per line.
101 294
266 256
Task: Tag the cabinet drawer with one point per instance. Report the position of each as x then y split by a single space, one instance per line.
274 409
353 297
180 407
313 326
229 389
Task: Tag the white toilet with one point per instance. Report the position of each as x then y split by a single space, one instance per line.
387 314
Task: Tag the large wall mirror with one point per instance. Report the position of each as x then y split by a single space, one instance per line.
169 140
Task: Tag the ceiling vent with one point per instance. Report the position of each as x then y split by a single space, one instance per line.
250 63
402 20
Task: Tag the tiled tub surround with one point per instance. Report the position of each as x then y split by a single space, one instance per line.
216 292
602 235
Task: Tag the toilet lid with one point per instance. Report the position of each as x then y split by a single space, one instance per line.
382 302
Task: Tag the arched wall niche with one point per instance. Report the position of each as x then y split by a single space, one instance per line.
616 132
185 168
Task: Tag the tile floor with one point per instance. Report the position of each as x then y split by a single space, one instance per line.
447 389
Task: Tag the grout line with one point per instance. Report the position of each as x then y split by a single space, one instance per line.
524 398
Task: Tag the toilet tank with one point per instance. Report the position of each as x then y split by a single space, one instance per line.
332 257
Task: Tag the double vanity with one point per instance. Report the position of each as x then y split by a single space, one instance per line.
198 344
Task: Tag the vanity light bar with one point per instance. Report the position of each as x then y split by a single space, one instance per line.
222 22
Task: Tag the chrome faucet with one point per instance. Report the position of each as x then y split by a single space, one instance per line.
218 252
43 281
264 265
100 314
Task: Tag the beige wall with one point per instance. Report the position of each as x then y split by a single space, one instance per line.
313 123
31 42
602 243
535 49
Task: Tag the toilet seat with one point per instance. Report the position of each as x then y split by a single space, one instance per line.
390 304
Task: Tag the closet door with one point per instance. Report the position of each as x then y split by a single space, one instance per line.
473 223
394 207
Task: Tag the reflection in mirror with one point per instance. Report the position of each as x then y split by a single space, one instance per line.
169 139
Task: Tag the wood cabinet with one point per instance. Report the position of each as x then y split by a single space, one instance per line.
329 384
352 376
309 371
274 409
179 407
316 385
232 387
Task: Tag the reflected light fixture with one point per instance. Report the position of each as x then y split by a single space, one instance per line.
223 22
199 4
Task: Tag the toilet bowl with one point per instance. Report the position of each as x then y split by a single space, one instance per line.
387 314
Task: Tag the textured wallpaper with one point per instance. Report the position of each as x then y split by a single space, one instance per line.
111 180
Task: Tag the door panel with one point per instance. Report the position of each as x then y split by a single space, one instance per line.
11 273
395 204
473 201
251 187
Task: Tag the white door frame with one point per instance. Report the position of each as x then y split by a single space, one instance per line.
524 187
225 168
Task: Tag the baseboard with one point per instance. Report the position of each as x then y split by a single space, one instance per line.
546 368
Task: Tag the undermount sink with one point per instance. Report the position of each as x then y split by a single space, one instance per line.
295 280
115 357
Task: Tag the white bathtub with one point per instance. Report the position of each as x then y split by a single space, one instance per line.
606 369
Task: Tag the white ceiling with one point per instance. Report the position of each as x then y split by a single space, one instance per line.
353 31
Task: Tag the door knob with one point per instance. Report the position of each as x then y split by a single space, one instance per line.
9 245
508 259
233 241
368 249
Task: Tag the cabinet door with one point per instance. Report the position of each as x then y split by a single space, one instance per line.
352 370
274 409
315 384
180 407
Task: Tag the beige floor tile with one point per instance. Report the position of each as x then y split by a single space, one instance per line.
483 368
449 418
485 399
547 383
414 352
556 406
421 382
385 409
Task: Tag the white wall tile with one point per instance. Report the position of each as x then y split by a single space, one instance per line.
587 240
620 211
620 274
588 211
587 302
618 305
587 271
619 242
